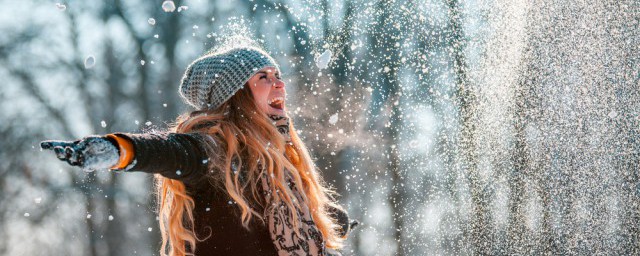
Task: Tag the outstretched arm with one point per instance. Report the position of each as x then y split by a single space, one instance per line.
181 156
90 153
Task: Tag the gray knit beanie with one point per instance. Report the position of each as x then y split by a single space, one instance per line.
213 78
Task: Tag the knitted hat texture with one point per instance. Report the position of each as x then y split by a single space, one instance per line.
213 78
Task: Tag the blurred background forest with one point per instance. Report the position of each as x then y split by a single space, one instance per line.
448 127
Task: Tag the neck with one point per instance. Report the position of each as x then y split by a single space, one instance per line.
282 124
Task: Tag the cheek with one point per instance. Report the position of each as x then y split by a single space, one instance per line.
260 92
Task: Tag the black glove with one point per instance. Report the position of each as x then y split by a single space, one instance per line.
90 153
346 224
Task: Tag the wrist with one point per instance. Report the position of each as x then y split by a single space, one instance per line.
125 149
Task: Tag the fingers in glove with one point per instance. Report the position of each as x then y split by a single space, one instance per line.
73 156
79 160
60 152
46 145
52 144
353 224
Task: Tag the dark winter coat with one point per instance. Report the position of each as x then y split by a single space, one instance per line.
183 156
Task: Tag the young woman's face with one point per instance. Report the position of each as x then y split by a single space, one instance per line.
268 91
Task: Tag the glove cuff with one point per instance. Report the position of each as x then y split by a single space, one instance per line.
125 147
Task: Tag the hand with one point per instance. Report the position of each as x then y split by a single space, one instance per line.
89 153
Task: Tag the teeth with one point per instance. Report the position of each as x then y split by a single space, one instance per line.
276 99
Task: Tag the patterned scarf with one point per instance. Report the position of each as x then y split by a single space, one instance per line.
282 124
308 240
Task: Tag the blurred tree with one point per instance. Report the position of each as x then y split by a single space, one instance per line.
480 221
385 41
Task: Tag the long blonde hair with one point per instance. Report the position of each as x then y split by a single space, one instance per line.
245 133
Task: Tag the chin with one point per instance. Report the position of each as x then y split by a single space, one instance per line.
277 111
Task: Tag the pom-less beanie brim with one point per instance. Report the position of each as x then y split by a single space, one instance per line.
215 77
242 85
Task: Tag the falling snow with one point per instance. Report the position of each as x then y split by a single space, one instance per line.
323 60
446 127
89 62
168 6
61 7
333 119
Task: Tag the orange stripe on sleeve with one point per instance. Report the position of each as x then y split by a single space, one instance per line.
126 151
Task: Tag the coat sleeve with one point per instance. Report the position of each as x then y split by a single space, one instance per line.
180 156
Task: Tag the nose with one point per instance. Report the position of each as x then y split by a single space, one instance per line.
278 84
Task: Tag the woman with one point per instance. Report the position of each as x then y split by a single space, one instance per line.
233 178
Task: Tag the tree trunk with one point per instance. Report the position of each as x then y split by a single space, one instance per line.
480 225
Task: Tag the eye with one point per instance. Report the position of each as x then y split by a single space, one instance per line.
263 76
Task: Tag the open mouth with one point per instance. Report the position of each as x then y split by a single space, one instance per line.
277 103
